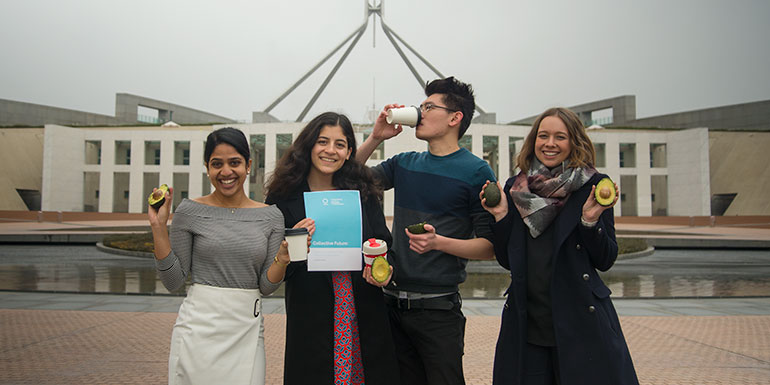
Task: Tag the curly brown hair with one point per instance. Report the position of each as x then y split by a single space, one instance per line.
294 166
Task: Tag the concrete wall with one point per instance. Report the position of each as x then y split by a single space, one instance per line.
688 172
623 110
21 154
63 166
746 116
754 116
126 106
739 164
13 113
64 163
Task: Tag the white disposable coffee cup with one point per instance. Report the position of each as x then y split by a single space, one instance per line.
409 116
297 239
373 248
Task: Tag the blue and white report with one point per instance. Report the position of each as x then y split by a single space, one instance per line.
336 243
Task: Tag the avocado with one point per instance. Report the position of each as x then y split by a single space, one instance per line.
605 192
492 195
158 197
380 269
417 228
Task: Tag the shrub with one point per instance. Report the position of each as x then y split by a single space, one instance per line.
133 242
631 245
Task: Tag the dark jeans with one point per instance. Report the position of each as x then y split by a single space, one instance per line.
429 344
541 365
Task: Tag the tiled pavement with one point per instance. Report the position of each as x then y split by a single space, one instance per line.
112 339
62 338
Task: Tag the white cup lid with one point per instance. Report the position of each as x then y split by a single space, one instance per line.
373 246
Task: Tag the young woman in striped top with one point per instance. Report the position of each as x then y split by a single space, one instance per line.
232 248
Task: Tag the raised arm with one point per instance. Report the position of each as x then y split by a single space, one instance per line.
380 132
173 264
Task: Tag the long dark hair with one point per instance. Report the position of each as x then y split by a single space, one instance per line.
294 166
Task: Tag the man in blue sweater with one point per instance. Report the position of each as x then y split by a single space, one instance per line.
441 187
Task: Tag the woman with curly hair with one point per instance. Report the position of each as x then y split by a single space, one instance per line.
337 329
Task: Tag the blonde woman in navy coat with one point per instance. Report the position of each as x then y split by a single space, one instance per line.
558 323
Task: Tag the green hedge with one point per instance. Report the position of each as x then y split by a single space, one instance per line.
631 245
133 242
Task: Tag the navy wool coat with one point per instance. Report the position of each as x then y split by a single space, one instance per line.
591 347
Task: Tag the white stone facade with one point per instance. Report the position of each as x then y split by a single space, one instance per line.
684 156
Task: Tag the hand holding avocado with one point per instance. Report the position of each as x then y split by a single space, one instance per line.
603 195
381 277
493 200
422 237
160 205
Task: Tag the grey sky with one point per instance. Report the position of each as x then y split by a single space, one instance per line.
233 57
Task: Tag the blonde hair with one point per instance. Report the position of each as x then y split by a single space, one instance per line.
582 152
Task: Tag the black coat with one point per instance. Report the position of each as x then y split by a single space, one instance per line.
309 357
590 344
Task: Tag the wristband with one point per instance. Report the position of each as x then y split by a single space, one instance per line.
587 223
279 262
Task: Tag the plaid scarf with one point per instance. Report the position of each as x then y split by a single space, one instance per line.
540 194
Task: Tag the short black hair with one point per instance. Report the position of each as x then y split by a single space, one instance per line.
457 96
227 135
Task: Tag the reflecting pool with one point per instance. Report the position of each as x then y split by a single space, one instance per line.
666 273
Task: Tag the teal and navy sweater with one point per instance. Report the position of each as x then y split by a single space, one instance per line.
444 192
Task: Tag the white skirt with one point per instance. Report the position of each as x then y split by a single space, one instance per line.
218 338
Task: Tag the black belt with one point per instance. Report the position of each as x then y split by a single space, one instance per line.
446 302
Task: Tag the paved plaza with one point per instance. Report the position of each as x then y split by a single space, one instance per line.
68 338
49 338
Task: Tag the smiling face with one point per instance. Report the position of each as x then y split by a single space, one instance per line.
227 170
552 143
330 151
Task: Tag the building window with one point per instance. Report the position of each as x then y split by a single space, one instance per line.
628 155
182 153
512 153
122 152
282 143
257 176
90 191
120 188
628 196
93 152
657 155
150 180
491 152
601 155
181 183
659 195
151 152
